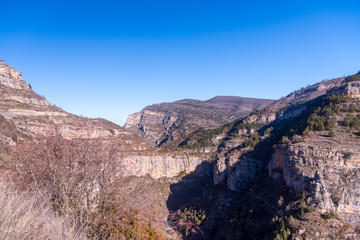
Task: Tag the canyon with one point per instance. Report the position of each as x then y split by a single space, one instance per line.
258 168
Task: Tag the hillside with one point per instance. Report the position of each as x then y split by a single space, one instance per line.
289 171
34 115
167 122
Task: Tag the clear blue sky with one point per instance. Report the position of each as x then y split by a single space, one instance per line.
112 58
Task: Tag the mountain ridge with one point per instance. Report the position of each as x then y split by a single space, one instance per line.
168 122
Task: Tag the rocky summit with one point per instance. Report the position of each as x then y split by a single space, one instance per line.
225 168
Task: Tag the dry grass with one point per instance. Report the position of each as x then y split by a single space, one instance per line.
27 216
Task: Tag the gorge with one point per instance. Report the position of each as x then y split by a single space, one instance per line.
224 168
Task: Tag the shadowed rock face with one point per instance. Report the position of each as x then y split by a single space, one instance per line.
324 166
166 122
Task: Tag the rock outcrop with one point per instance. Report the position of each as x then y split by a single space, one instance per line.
158 165
34 115
12 78
326 168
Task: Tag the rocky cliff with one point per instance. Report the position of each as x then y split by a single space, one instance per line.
34 115
167 122
25 114
308 143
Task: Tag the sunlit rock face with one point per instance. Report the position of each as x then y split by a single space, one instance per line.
11 78
325 170
33 115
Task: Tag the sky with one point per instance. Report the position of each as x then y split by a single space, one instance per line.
109 59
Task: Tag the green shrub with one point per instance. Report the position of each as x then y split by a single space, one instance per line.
348 155
304 208
355 77
284 139
197 216
336 199
251 142
351 121
268 130
328 216
280 231
352 108
201 138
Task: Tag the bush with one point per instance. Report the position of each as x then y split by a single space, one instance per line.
196 216
78 179
352 108
28 216
200 138
251 142
268 130
304 208
328 216
280 231
284 139
187 220
351 121
348 155
336 199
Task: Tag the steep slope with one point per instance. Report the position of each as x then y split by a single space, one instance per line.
287 171
235 133
166 122
34 115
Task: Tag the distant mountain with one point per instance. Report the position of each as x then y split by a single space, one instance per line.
166 122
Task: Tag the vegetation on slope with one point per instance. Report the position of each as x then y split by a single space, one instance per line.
29 216
77 179
355 77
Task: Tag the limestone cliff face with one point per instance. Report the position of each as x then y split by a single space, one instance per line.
328 170
326 167
349 89
167 122
157 127
158 165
